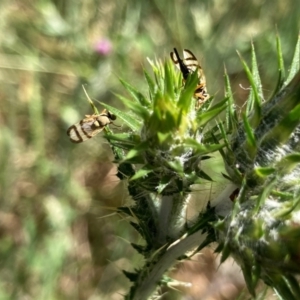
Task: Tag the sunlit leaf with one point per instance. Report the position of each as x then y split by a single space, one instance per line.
256 99
138 109
211 113
295 66
130 121
231 115
137 96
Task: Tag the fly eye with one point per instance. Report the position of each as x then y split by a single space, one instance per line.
111 116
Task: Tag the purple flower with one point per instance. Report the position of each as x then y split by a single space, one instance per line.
103 47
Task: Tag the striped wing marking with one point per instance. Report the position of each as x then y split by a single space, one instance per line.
90 126
190 64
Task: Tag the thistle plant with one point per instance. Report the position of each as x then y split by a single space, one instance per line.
160 155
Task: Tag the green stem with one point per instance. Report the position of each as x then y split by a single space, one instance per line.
153 271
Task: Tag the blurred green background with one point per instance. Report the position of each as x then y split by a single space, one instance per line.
59 235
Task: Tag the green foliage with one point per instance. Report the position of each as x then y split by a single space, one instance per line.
165 161
55 241
165 158
264 148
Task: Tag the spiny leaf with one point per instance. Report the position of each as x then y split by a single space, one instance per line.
139 248
255 73
288 163
211 113
150 82
187 93
211 238
223 136
137 96
231 115
176 166
281 286
293 284
286 211
131 276
264 195
118 153
225 252
295 66
121 145
128 138
164 116
205 221
261 295
137 151
169 82
220 246
131 122
201 148
164 182
282 195
138 109
158 72
251 142
138 228
251 284
141 173
241 197
281 69
275 110
201 174
264 172
226 176
163 137
257 101
284 129
293 158
122 141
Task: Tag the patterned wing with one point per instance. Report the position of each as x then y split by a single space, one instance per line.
90 126
188 65
84 130
190 61
192 64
